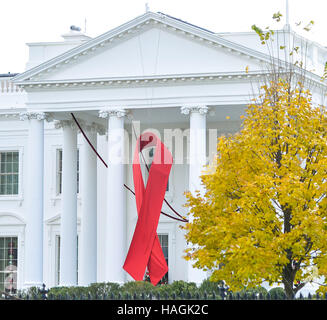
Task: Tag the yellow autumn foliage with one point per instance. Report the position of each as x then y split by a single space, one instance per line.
264 214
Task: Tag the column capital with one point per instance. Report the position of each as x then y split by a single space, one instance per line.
202 109
96 128
59 124
28 115
112 112
92 127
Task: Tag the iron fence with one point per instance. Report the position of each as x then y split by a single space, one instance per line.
223 294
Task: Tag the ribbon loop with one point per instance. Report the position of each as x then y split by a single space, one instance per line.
145 250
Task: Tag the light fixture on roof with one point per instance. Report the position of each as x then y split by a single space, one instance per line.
74 28
75 34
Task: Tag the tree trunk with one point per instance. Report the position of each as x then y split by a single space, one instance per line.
288 271
288 281
288 291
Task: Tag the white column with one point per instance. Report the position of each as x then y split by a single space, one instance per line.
197 161
68 219
33 263
116 215
88 238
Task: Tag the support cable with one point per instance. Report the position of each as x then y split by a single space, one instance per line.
182 219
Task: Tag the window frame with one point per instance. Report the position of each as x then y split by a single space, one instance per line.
19 195
17 257
54 185
168 258
57 238
13 226
52 230
169 228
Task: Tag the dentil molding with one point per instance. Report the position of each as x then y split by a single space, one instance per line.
23 116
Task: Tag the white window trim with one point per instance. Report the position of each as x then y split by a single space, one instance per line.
170 229
57 257
20 195
54 195
53 229
16 230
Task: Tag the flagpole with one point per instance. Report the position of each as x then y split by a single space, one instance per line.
287 14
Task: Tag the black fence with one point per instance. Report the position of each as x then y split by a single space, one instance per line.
224 294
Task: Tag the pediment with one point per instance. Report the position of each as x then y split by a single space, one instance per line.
11 219
148 46
153 52
55 220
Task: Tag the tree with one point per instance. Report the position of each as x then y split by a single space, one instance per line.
264 214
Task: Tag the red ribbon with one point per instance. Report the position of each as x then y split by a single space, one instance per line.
145 250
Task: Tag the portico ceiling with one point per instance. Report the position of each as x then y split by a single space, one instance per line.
161 117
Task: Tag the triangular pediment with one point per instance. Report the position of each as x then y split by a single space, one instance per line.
150 45
55 220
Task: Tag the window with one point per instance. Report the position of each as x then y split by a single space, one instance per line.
8 264
9 171
163 238
59 171
57 266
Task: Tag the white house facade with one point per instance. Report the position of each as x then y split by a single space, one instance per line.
67 219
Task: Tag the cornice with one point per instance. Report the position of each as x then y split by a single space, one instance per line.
158 80
142 80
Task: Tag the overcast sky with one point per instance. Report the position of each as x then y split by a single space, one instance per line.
23 21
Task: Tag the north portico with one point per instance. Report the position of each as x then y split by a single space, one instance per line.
157 73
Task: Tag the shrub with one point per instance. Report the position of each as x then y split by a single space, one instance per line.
30 292
104 288
178 287
210 286
253 291
68 291
277 293
137 287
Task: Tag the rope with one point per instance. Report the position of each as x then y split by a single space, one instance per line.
128 188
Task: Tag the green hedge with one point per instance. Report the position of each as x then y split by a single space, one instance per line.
277 293
178 289
130 288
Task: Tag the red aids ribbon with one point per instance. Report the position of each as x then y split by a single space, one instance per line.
145 250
